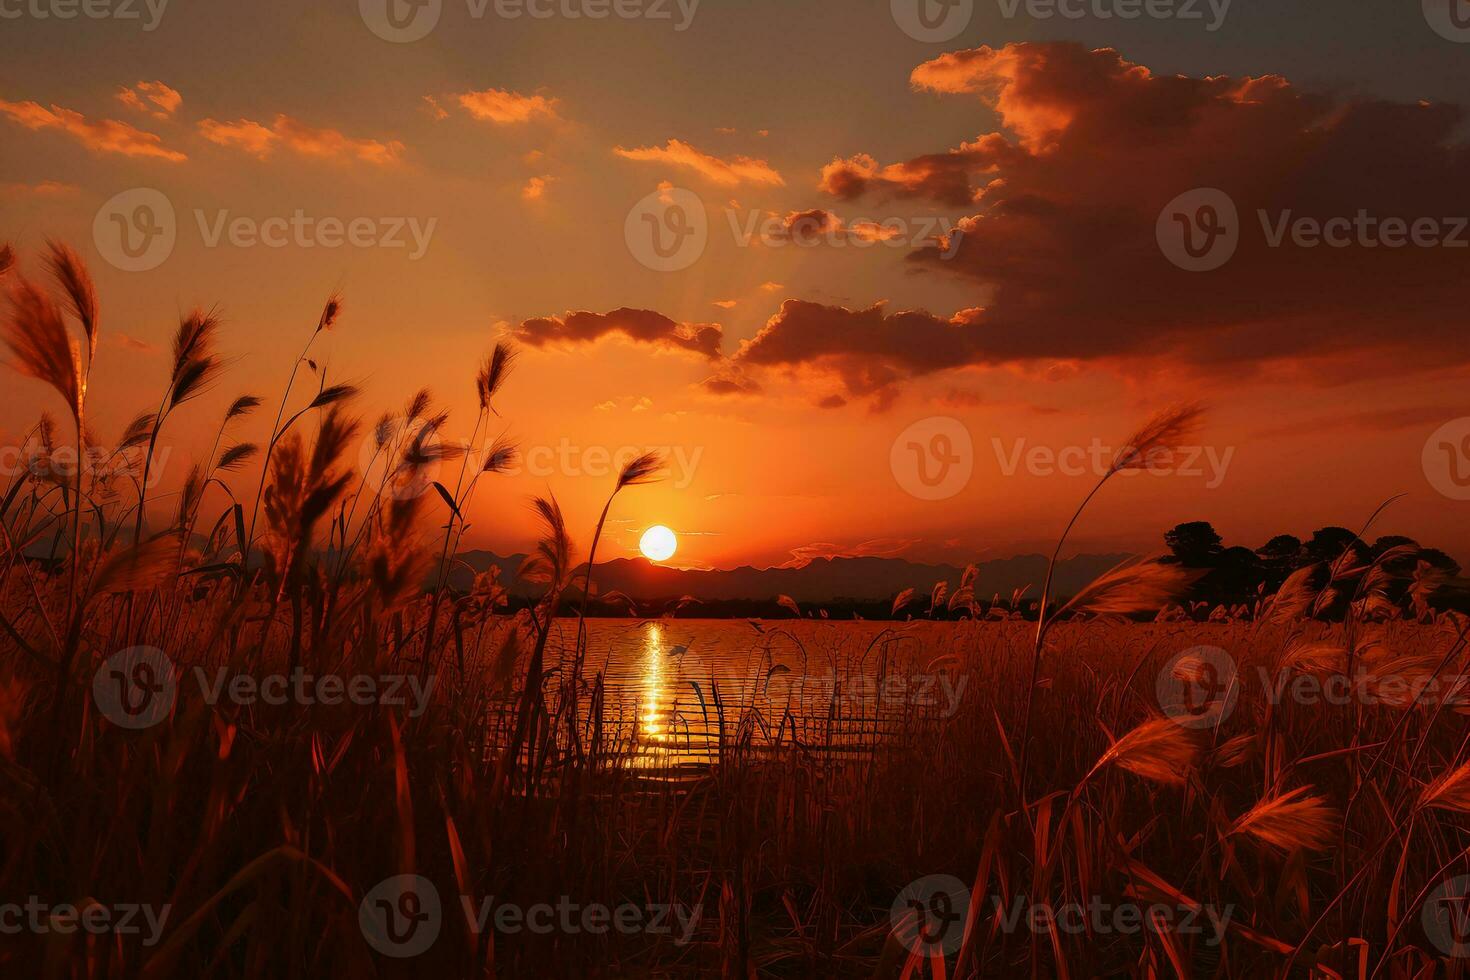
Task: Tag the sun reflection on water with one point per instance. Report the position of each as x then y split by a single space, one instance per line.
652 720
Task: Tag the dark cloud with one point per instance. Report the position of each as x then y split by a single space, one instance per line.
1068 198
642 326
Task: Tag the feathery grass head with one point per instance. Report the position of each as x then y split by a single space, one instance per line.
75 281
551 561
137 432
1159 436
330 312
236 456
640 470
493 373
501 457
7 260
1290 822
40 344
1158 749
332 394
1132 587
242 406
418 405
1451 791
196 363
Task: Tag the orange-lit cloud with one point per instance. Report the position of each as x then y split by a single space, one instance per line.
726 173
819 225
535 188
154 98
506 108
46 188
261 141
641 326
875 548
102 136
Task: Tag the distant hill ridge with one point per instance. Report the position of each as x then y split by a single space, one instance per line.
821 580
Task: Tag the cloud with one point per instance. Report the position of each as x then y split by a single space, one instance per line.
102 136
261 141
154 98
640 326
730 380
1063 247
725 173
727 304
817 225
505 108
941 177
433 109
46 188
875 548
870 351
535 188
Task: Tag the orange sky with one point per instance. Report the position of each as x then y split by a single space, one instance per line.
827 310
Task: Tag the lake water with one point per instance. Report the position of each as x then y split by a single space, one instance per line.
679 690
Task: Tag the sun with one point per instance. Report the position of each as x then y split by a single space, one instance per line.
658 543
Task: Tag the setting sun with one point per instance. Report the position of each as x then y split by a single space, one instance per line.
658 543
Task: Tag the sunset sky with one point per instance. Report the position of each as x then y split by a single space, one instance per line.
780 372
